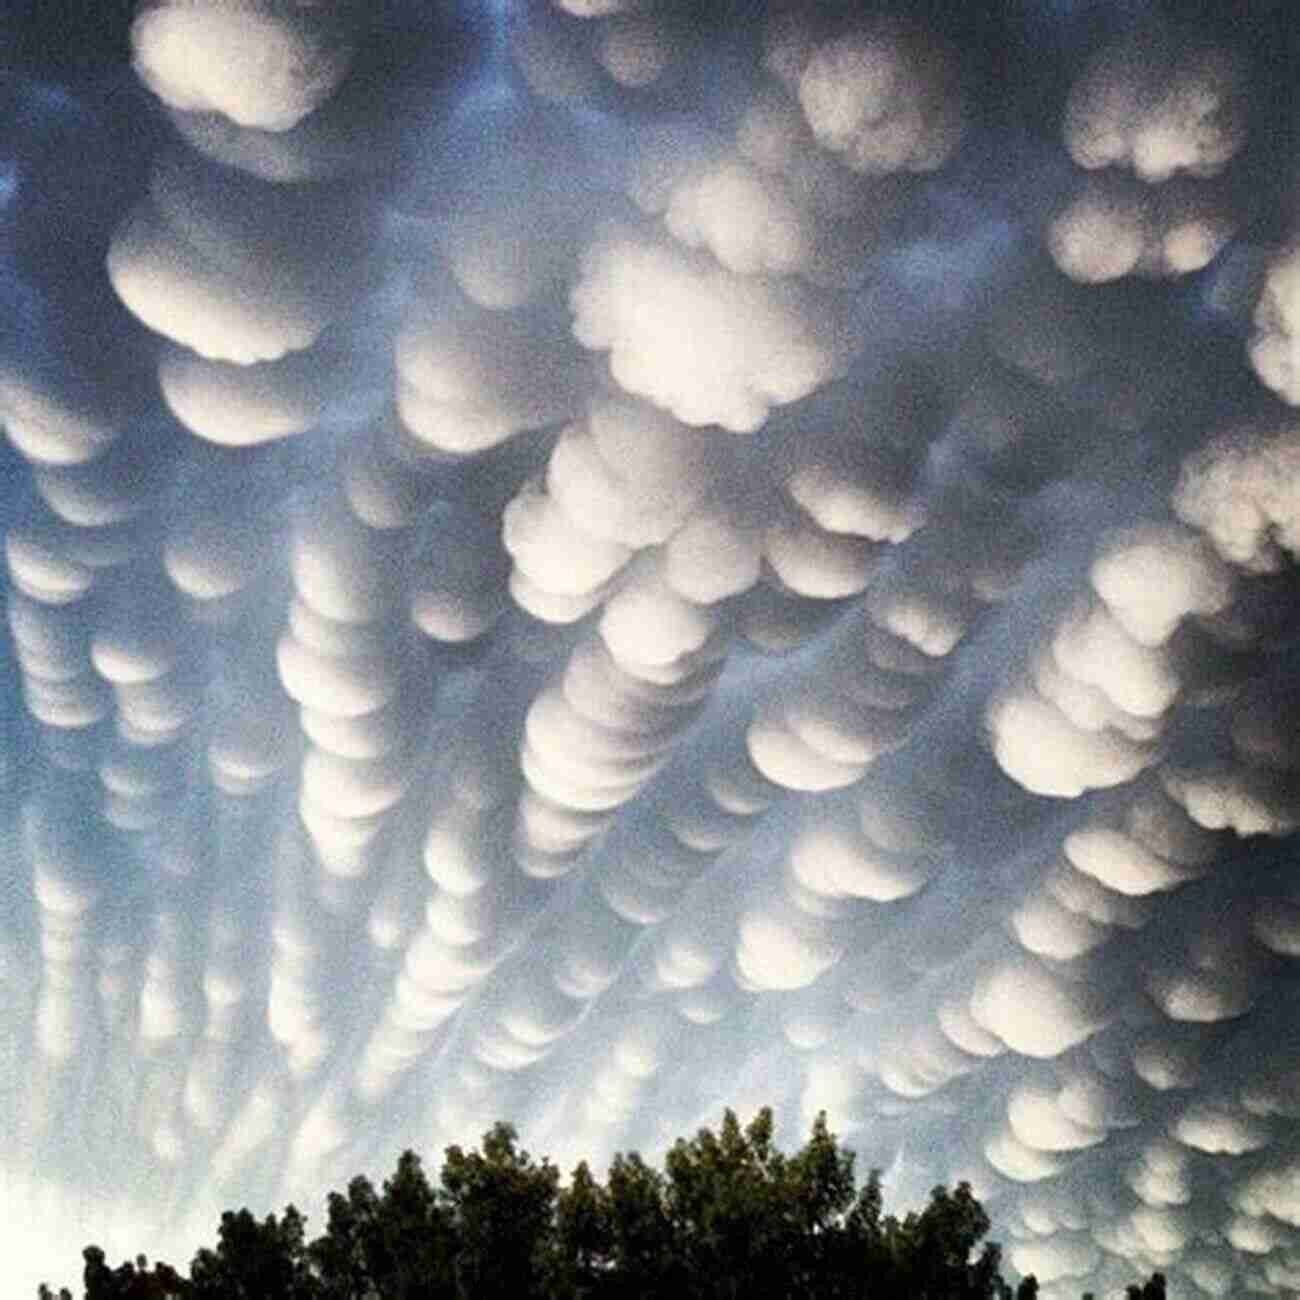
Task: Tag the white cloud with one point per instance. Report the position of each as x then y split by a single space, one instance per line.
709 346
1239 489
1033 1011
885 100
259 66
1143 104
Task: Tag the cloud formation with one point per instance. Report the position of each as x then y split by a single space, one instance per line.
586 566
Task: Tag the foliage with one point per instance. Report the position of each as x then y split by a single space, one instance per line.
398 1245
129 1281
255 1261
502 1206
1152 1289
728 1215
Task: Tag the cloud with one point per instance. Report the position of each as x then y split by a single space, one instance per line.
636 49
1042 749
706 344
1148 104
1272 346
469 379
1033 1011
421 708
1150 608
1234 490
742 218
1113 228
235 270
50 427
1214 1130
885 99
1061 1257
258 66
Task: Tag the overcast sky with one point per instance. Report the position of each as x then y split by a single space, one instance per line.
585 561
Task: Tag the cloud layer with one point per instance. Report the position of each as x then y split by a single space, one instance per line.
607 563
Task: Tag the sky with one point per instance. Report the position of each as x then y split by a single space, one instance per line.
587 561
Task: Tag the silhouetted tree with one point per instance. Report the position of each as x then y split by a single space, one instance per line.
501 1204
1154 1287
644 1247
584 1238
728 1215
984 1276
727 1196
820 1198
97 1277
342 1258
255 1261
419 1236
131 1280
399 1245
928 1255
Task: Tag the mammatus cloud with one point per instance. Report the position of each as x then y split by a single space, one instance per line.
1113 227
882 97
1159 106
238 270
595 565
707 344
260 65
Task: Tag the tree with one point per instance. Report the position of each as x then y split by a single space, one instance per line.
255 1261
644 1252
342 1258
397 1246
584 1238
928 1256
502 1206
418 1236
728 1215
819 1197
731 1206
820 1180
1154 1287
131 1280
984 1276
97 1277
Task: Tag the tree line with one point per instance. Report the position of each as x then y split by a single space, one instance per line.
728 1215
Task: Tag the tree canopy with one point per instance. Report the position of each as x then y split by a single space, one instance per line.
728 1215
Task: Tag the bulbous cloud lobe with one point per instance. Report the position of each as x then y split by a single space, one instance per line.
259 64
1158 109
708 345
